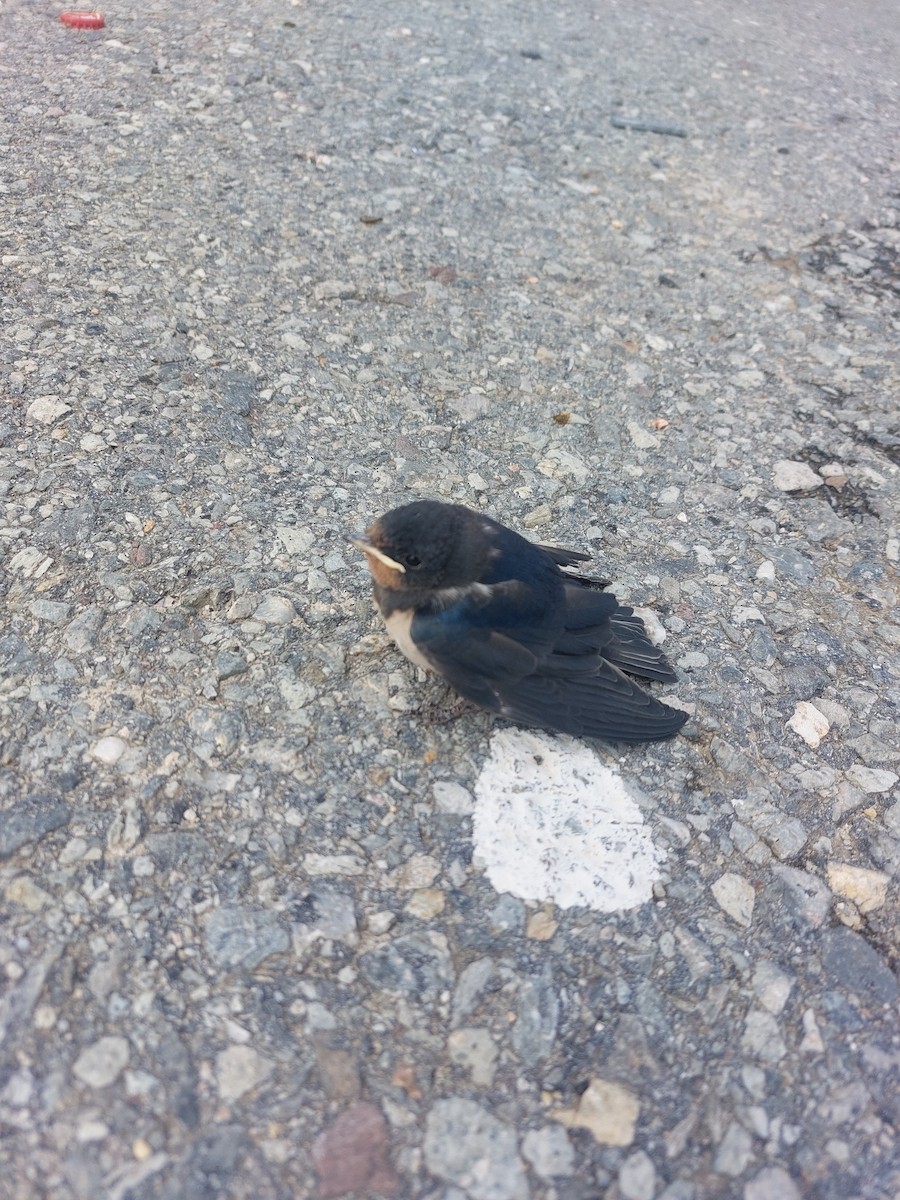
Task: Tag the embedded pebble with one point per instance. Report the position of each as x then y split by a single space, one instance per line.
108 750
32 819
54 611
469 1147
47 409
426 904
866 888
641 437
637 1177
241 938
849 960
790 476
809 723
334 289
420 871
736 896
809 896
24 892
549 1152
870 779
762 1037
451 797
275 610
772 986
102 1063
239 1069
772 1183
734 1151
606 1108
475 1050
541 926
352 1154
812 1039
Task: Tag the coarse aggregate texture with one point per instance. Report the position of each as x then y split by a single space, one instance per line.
269 269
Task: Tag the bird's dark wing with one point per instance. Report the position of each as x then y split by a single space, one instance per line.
540 667
487 639
564 558
632 650
603 704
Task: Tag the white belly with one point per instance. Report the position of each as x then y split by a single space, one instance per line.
397 625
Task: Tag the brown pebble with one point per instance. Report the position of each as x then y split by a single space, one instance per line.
351 1154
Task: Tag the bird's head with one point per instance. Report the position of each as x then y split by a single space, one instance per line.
426 545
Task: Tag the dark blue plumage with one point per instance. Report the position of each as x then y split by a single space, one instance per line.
512 627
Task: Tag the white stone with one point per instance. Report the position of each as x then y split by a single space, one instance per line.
766 570
734 1151
296 693
47 409
637 1177
333 864
772 1183
296 539
420 871
742 613
772 986
469 1147
762 1037
108 750
812 1040
736 896
474 1049
91 443
653 626
549 1151
809 723
871 779
452 798
552 822
239 1069
275 610
102 1064
18 1090
789 476
641 437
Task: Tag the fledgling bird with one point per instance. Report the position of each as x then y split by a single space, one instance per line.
508 629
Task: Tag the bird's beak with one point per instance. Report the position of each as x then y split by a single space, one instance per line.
363 542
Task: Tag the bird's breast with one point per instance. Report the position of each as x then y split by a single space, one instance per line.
398 625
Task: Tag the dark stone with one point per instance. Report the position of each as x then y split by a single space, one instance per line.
29 821
850 961
241 938
792 563
413 964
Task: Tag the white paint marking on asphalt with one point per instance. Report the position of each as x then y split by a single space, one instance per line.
552 822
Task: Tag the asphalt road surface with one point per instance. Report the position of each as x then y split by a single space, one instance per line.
622 275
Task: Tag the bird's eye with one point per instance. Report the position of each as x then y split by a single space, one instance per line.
412 560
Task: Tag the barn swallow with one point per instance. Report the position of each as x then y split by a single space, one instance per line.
512 626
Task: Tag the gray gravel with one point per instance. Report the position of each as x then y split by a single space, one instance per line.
271 269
